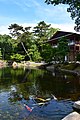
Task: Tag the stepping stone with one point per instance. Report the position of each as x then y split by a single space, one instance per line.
72 116
76 105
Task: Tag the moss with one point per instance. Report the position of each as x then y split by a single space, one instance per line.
78 68
70 66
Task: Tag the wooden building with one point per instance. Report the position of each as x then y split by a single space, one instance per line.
73 42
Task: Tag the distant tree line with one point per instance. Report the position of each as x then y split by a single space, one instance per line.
25 43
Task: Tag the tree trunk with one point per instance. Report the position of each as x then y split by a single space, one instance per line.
26 50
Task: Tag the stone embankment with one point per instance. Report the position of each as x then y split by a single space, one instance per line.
27 64
70 68
3 64
70 71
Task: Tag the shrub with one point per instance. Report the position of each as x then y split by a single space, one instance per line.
17 57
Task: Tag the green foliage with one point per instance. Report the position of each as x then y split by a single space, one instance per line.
34 53
47 52
62 49
41 29
22 35
70 66
42 33
52 31
78 57
74 9
17 57
6 46
0 55
55 54
26 45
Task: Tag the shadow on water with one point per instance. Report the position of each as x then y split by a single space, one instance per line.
22 86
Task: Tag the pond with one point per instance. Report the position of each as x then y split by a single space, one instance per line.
28 94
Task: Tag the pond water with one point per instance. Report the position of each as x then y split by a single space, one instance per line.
20 88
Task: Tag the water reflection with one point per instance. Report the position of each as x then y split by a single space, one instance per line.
19 86
39 82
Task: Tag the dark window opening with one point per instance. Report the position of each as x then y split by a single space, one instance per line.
77 47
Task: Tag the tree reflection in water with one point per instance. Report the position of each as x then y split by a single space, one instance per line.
19 86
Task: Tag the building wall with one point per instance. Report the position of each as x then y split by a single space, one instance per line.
74 50
71 56
74 44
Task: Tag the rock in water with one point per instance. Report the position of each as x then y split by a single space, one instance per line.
72 116
76 105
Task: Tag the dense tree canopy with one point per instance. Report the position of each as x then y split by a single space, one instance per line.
31 42
74 9
25 43
43 32
63 49
22 34
6 46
